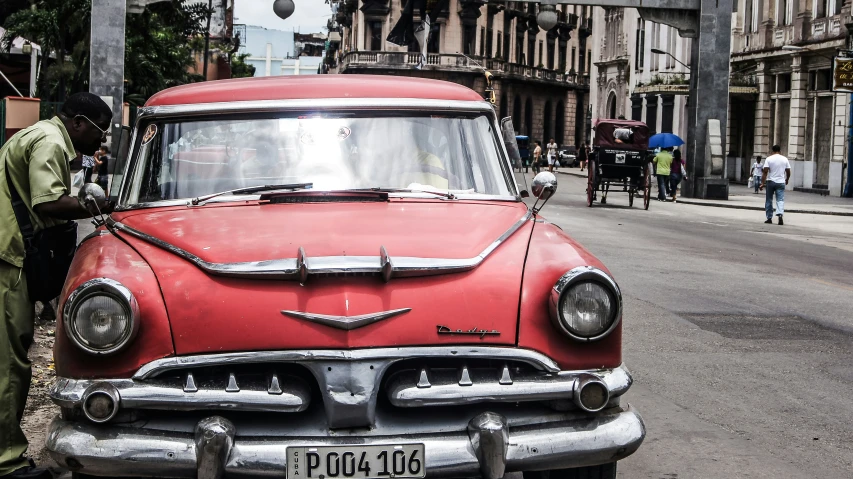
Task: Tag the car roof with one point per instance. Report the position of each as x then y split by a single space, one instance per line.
304 87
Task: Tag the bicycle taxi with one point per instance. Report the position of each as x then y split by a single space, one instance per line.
619 157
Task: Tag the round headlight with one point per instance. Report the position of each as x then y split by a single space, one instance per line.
586 304
101 316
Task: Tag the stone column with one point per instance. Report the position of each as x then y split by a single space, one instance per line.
797 126
761 145
709 95
106 65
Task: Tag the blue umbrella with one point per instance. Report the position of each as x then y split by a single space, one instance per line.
665 140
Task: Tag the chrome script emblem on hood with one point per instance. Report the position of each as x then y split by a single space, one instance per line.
346 323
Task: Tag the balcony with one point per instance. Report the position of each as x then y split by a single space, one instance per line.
454 62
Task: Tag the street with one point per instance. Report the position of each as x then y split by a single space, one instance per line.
738 334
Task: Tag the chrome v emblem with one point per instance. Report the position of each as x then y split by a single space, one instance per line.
346 323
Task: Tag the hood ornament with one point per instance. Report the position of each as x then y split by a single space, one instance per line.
347 323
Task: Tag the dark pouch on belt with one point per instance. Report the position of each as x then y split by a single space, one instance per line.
48 253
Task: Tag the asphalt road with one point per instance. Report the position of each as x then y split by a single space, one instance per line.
739 334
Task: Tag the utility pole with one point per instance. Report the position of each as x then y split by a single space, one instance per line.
207 37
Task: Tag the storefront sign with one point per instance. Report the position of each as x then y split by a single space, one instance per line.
842 72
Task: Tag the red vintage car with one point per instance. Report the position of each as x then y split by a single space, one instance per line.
335 277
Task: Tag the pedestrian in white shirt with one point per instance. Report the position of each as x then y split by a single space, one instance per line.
756 173
775 175
552 154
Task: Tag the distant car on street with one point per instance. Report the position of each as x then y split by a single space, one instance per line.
567 155
335 277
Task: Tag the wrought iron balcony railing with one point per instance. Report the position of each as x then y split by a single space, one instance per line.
457 62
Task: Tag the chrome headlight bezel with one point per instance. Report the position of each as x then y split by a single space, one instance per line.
104 287
579 275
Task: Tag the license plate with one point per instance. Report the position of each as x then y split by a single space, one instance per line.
620 158
359 462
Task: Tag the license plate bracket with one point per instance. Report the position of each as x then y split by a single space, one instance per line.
385 461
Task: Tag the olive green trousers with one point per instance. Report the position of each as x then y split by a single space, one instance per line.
16 336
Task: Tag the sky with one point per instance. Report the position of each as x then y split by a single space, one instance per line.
310 16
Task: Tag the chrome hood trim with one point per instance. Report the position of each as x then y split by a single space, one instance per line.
303 266
347 323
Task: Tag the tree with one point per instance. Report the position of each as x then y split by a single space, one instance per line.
61 29
241 69
158 45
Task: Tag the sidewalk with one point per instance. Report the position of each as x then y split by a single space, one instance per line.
741 197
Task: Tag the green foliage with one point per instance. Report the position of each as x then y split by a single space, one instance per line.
159 45
61 28
241 69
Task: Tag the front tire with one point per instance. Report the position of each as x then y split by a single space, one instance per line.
602 471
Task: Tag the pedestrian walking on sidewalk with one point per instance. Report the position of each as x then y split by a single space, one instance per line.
537 153
663 163
552 154
102 159
774 176
676 173
756 173
36 209
583 155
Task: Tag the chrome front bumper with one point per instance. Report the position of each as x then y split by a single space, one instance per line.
489 447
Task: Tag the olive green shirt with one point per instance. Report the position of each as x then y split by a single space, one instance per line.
38 161
663 160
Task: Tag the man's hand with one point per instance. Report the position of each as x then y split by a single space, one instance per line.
761 186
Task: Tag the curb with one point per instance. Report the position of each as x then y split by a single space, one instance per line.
758 208
737 207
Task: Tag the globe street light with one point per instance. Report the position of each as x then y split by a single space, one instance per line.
547 18
283 8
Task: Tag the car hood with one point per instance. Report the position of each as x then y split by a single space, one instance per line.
211 312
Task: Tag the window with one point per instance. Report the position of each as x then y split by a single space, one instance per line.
640 51
785 11
489 36
434 42
573 67
820 80
540 54
482 41
531 48
550 54
562 55
375 36
783 83
519 48
747 16
469 39
588 60
820 8
500 42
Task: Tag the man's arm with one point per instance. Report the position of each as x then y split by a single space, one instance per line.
764 172
787 175
65 208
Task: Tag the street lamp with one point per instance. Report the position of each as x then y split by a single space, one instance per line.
547 17
658 51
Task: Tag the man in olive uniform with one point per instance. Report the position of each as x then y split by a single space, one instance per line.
37 162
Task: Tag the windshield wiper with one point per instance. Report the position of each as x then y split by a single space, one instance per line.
448 195
252 189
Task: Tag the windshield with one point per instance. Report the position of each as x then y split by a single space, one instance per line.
336 151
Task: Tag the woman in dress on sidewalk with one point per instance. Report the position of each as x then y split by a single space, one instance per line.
676 173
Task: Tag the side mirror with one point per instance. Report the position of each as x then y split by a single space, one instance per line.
90 195
544 185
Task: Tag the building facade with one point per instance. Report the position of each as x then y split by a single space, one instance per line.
278 52
784 48
539 77
630 80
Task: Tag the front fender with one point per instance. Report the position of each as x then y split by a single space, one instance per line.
551 253
106 256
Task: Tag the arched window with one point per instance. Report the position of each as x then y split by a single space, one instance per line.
516 113
611 105
547 129
504 107
560 122
528 117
